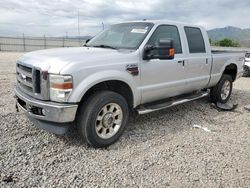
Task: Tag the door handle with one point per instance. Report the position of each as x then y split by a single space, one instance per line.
182 62
206 60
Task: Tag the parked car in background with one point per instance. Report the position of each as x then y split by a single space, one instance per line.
142 66
247 65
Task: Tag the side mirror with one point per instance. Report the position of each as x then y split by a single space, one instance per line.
164 50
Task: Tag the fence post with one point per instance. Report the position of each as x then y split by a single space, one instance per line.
44 42
24 47
63 42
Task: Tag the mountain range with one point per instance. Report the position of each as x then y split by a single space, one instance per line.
234 33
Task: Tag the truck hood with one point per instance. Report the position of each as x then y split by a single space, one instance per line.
54 60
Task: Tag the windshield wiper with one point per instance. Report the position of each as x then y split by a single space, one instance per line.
104 46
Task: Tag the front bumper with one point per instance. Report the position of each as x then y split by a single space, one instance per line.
46 114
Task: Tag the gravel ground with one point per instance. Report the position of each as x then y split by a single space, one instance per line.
159 149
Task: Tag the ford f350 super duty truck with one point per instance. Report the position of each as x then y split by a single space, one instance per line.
142 66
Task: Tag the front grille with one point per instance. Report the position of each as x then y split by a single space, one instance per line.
29 79
25 78
32 80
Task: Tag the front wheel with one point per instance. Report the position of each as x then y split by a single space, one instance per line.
222 91
102 118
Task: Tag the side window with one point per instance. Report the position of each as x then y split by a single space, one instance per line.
195 40
166 32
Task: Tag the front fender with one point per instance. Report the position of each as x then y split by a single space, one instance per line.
93 79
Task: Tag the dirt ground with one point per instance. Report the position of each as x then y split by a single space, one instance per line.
157 150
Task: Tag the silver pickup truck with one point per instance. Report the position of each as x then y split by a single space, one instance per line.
142 66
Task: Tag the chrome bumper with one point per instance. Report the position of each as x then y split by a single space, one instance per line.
46 110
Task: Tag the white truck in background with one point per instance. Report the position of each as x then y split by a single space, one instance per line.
142 66
247 65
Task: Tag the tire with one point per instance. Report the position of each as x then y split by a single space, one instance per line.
218 94
246 72
102 118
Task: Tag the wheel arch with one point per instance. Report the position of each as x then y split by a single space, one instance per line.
231 70
116 81
117 86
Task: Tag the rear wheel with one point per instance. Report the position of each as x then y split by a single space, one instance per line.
102 118
246 72
222 91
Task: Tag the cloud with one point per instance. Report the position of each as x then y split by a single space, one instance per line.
58 17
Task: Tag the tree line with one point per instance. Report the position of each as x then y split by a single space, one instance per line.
226 42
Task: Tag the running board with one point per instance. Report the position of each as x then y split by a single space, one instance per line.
144 109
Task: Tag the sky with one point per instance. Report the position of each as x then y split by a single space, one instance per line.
60 17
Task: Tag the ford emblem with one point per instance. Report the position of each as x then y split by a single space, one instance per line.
23 77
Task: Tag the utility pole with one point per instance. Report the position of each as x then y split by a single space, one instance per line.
78 16
24 47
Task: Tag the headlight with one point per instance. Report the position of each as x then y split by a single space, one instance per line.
60 87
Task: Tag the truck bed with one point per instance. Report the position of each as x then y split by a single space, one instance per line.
226 51
222 58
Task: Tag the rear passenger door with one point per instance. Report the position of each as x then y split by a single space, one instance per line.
198 58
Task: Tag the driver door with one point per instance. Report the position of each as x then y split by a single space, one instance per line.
164 78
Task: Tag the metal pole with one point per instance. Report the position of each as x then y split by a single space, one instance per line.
24 43
63 42
78 25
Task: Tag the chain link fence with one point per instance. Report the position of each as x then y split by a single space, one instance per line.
26 44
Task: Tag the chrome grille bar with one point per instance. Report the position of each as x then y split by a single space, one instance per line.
24 81
23 72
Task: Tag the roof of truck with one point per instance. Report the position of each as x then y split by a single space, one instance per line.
164 22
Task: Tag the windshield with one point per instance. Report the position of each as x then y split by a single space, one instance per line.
125 35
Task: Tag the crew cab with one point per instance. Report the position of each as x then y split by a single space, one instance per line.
140 66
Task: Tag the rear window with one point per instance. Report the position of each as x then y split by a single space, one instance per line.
195 40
